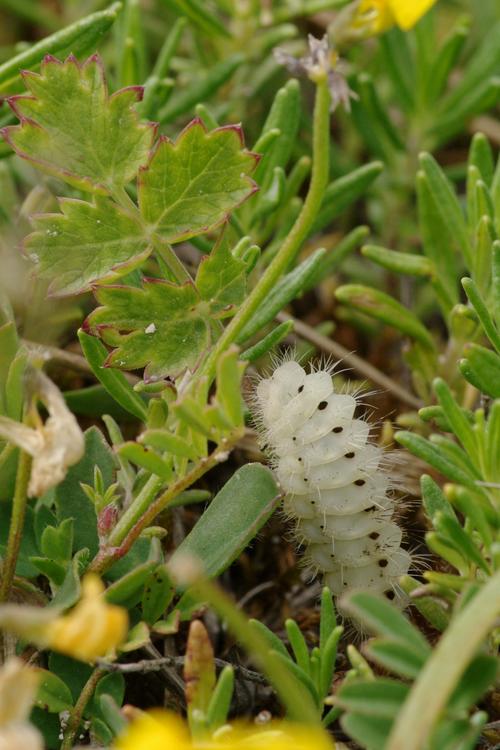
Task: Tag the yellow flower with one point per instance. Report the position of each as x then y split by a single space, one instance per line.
380 15
157 730
92 629
160 730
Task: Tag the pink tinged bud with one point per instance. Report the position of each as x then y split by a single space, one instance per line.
107 520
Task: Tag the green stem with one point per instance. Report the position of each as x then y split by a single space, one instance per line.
293 243
76 714
170 259
293 694
16 524
145 508
439 678
134 512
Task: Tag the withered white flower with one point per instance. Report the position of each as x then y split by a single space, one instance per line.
321 62
54 445
18 686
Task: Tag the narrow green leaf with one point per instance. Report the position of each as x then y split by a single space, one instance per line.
457 418
115 382
328 657
127 590
383 307
334 257
146 459
157 595
79 38
422 448
298 644
397 657
446 202
341 193
385 620
481 368
462 542
328 617
370 732
229 375
220 700
201 89
438 244
434 499
163 440
267 343
287 288
381 697
298 673
275 643
482 311
200 16
232 519
445 59
284 116
414 265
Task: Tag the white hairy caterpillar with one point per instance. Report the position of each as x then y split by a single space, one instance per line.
337 489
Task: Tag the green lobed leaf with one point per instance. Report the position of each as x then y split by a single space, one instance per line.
71 128
157 326
85 244
191 185
221 279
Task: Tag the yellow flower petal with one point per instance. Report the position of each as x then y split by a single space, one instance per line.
408 12
375 14
92 629
157 730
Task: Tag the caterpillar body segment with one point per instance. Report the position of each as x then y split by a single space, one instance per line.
338 490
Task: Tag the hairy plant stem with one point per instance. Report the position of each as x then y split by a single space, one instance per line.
293 243
454 652
16 524
76 714
146 506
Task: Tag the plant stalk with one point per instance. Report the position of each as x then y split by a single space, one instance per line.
16 524
145 508
293 243
76 714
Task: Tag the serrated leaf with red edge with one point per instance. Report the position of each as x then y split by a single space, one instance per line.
73 129
190 186
86 243
161 326
221 279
